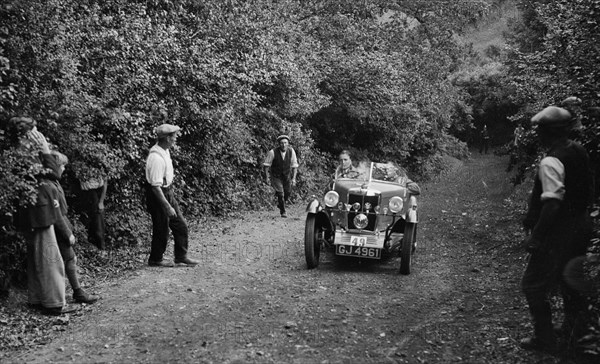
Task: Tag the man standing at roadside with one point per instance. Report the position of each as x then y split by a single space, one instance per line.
560 227
161 202
485 140
93 193
281 166
518 134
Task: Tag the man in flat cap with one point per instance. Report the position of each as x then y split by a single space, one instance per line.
560 228
161 202
281 166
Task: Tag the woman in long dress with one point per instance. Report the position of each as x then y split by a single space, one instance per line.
45 267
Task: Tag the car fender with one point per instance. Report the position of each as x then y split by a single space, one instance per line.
314 206
322 219
411 213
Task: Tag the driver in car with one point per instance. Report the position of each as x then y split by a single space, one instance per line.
345 169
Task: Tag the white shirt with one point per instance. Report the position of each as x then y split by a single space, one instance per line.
271 155
92 183
159 167
552 176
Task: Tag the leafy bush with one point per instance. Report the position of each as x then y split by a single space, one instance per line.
18 188
562 64
558 60
99 76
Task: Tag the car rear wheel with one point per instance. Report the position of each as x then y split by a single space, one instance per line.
312 245
408 240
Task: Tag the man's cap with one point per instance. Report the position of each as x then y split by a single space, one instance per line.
554 117
166 129
283 136
571 101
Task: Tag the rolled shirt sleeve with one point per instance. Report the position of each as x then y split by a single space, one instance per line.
159 167
294 160
552 176
155 170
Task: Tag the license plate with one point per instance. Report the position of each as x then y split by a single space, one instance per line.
358 251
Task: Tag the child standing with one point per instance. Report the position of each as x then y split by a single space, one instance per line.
66 239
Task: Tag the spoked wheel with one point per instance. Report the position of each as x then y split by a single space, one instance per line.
312 245
410 236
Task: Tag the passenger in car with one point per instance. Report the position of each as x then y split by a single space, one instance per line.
412 186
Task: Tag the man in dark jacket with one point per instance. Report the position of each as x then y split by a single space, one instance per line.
281 166
559 224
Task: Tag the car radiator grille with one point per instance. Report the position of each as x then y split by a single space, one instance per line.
373 200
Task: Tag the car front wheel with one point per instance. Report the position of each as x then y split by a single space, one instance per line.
312 244
408 240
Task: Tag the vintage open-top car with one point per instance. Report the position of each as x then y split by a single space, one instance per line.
372 216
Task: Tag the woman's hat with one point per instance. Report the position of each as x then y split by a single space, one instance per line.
21 124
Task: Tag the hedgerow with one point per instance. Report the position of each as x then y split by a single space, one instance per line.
99 76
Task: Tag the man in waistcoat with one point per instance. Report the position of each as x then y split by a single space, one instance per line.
281 166
161 202
560 228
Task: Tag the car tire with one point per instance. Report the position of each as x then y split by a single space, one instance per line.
312 246
406 250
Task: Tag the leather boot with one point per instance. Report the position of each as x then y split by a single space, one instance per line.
281 204
79 295
543 338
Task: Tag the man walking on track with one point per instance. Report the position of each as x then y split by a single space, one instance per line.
281 166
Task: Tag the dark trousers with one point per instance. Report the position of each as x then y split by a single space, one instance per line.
96 225
161 223
283 191
544 272
485 145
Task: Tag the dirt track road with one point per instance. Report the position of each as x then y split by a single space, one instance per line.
253 300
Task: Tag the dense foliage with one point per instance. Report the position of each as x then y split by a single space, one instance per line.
98 76
559 58
564 64
386 79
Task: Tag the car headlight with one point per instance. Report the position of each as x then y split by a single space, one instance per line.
396 204
331 199
361 221
356 206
